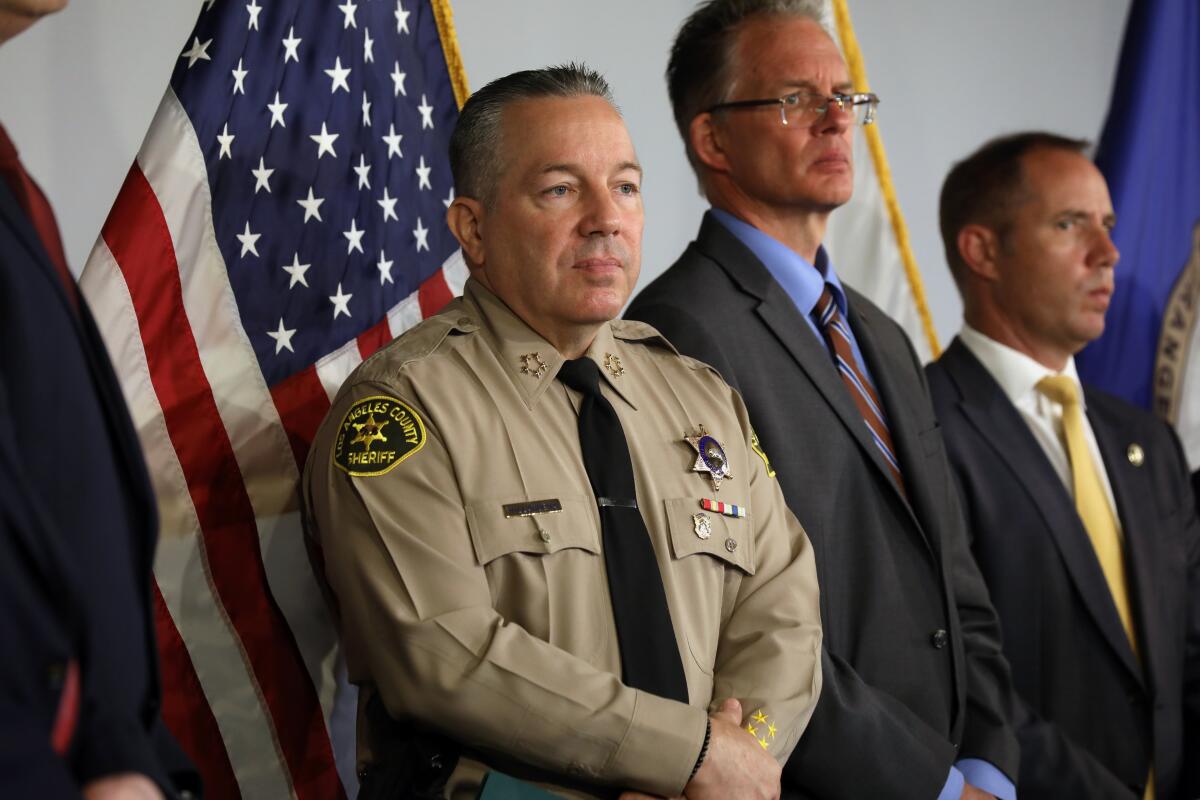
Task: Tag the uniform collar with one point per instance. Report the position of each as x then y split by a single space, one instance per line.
531 362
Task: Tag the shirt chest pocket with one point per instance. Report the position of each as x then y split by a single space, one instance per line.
711 553
544 568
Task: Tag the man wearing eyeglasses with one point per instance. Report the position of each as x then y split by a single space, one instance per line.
916 695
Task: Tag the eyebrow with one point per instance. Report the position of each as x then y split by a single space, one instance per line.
845 87
573 169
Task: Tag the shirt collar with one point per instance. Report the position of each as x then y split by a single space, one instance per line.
531 362
801 281
1017 373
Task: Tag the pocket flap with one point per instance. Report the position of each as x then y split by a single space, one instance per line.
728 538
495 534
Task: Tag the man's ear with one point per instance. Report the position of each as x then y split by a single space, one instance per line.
979 246
706 139
465 218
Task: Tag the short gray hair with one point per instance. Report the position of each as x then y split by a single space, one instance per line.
699 70
475 144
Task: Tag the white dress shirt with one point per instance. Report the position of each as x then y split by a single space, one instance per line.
1018 376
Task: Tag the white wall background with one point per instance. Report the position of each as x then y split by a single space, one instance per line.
78 90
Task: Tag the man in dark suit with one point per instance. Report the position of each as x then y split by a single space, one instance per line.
1083 519
915 697
79 695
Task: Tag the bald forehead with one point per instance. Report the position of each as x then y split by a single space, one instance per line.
788 52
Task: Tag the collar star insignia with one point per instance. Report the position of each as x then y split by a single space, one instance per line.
612 363
710 457
367 433
532 364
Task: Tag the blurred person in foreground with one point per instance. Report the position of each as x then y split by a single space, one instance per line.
79 691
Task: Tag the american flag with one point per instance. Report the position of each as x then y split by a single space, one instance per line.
283 220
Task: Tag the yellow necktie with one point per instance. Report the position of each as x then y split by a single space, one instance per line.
1091 500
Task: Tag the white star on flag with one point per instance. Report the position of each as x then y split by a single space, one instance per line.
422 234
392 140
283 337
262 177
325 141
368 46
197 52
401 18
296 270
225 139
426 114
388 204
338 75
348 9
341 303
239 79
311 206
385 269
423 175
249 241
253 9
366 110
449 198
277 108
353 238
363 170
292 45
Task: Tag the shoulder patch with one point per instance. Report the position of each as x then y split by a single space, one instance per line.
376 434
757 448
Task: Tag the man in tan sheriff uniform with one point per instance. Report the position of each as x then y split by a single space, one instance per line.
461 536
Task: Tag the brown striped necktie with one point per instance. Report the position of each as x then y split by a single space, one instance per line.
837 336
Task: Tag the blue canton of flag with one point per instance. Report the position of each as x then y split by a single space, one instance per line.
324 129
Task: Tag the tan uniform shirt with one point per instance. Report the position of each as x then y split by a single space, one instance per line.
498 630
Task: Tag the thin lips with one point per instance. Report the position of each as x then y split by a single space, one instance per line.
598 262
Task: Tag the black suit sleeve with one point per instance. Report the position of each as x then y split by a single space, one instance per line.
1190 508
689 335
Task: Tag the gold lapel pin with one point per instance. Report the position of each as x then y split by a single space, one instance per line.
1135 454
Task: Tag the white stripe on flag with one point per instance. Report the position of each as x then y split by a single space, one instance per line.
173 163
180 569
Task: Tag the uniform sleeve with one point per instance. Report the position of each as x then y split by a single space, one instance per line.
418 620
769 652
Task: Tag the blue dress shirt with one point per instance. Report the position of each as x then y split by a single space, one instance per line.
803 283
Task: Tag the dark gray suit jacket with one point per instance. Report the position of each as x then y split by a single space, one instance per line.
1091 719
914 678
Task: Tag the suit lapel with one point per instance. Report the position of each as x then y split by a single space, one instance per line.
998 422
779 314
1129 484
12 215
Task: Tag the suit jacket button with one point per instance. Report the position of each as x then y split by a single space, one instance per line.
939 639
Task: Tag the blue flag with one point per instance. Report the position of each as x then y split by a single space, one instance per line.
1150 154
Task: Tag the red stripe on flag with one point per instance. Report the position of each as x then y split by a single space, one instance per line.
375 337
137 234
301 402
185 709
433 294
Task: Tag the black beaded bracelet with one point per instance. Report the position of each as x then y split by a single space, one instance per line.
703 748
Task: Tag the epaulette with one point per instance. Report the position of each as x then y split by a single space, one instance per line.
417 343
632 330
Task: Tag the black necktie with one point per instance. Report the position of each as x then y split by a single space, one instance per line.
649 655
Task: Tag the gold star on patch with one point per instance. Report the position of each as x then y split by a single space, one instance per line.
532 364
612 363
710 457
753 731
771 730
764 743
759 716
369 432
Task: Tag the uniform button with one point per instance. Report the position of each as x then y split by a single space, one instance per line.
939 639
731 544
544 535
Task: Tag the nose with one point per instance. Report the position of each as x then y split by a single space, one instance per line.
1104 251
836 119
602 216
